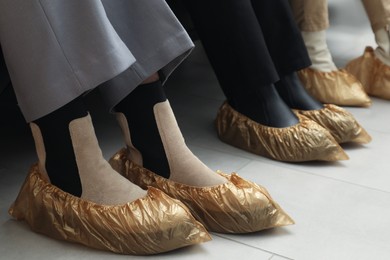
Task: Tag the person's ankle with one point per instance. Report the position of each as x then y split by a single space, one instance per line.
294 93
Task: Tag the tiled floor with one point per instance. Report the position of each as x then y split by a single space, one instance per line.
342 210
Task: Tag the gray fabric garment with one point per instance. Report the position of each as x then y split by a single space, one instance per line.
56 50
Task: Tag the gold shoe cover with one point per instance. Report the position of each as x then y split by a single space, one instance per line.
153 224
372 72
238 206
337 87
305 141
339 122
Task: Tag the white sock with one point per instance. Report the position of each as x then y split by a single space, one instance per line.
318 51
382 52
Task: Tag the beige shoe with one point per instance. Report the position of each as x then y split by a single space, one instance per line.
336 87
112 214
223 203
339 122
305 141
372 73
324 81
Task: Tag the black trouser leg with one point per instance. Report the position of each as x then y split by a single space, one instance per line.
287 49
282 36
237 50
4 76
234 43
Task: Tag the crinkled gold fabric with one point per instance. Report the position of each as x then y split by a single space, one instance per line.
372 72
238 206
336 87
306 141
340 123
153 224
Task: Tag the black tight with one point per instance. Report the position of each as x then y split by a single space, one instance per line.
61 163
138 109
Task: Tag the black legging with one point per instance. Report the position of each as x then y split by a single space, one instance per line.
250 43
4 77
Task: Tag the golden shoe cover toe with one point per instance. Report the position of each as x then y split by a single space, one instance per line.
306 141
153 224
337 87
340 123
238 206
372 72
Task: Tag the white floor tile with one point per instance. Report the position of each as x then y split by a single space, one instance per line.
18 242
374 118
276 257
334 220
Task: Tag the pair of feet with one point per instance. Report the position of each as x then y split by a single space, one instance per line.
272 105
364 76
115 214
288 125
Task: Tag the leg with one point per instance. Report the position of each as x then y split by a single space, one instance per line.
282 36
50 71
310 16
372 68
247 65
323 80
237 50
4 76
339 122
157 155
156 138
287 50
378 12
65 66
312 19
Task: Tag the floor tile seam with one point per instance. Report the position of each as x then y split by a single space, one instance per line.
212 148
243 165
205 147
297 170
251 246
280 256
335 179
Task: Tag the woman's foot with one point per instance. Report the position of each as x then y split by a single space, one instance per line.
294 94
221 202
154 140
324 81
99 182
111 213
264 106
